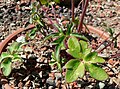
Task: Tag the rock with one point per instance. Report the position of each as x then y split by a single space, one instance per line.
50 82
101 85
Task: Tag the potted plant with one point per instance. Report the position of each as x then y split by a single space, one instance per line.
72 42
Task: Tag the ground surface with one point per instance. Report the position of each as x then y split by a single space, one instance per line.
14 15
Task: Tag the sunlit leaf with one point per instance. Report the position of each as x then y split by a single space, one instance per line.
6 66
91 56
17 57
57 1
14 47
94 58
73 44
75 69
5 55
83 46
97 72
43 1
74 53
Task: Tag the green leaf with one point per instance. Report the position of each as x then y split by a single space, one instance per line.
6 66
91 56
59 66
52 63
82 37
94 58
86 52
16 58
32 33
57 1
97 59
74 53
5 55
97 72
59 29
57 52
14 47
83 46
75 69
43 1
70 28
58 48
58 41
111 31
51 36
73 44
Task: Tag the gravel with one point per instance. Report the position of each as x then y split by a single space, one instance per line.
36 73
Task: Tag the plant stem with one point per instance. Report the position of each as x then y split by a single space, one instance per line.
82 16
115 56
109 43
72 4
51 22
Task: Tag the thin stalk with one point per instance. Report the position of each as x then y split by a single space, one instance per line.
51 22
109 43
72 4
115 56
82 16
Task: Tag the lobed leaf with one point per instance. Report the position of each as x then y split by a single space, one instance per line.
75 69
97 72
16 58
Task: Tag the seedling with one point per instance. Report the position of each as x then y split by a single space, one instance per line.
85 60
61 37
7 58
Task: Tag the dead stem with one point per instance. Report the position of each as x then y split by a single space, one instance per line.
82 16
108 43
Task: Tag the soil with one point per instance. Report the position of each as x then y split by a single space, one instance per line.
35 72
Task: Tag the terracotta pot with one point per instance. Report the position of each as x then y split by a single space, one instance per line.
13 36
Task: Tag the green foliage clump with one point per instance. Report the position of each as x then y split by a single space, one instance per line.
85 60
12 55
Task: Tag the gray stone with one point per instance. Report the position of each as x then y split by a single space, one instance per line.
50 82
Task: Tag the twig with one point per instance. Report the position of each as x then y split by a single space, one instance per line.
51 22
109 43
72 3
115 56
82 16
